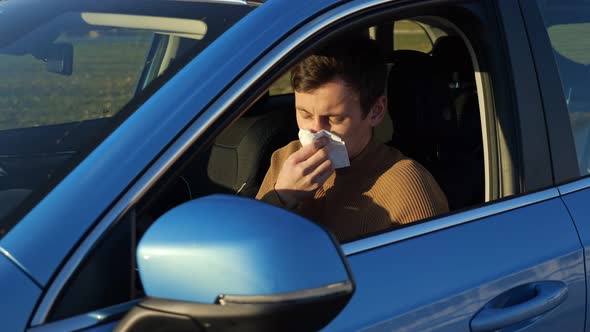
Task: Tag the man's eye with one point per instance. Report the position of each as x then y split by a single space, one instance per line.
305 115
336 120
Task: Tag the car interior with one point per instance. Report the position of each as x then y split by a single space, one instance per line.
433 117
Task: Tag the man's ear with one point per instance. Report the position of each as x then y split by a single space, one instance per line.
378 110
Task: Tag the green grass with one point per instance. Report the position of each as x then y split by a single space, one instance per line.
571 41
104 79
410 36
282 85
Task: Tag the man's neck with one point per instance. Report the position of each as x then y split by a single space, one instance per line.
366 143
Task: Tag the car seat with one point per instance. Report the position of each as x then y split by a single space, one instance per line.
240 155
418 103
429 123
463 145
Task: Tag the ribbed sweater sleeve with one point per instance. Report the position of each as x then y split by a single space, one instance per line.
266 193
409 193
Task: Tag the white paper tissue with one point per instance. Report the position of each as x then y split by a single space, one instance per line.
336 146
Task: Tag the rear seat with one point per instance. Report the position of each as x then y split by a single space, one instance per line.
436 119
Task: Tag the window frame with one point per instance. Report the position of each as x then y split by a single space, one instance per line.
563 151
235 100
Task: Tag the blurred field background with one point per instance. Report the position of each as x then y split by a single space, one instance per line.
106 71
572 41
103 81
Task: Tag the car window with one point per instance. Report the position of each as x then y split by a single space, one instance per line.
409 35
568 27
281 86
107 67
72 72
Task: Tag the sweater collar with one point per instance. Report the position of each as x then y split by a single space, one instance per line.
363 158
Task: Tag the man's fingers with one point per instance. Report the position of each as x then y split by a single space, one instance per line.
314 161
309 150
322 172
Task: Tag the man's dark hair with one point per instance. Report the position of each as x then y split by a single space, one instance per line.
358 61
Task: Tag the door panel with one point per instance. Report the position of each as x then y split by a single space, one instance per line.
577 204
440 280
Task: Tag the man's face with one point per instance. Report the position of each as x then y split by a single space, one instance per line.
335 107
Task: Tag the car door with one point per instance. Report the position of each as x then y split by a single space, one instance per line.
562 55
510 264
504 265
513 262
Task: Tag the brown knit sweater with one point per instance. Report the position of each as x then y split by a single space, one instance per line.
381 188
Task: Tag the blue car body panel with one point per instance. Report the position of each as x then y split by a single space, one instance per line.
19 296
578 206
56 226
422 284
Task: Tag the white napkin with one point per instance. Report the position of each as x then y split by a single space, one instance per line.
336 147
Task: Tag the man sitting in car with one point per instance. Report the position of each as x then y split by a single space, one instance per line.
340 89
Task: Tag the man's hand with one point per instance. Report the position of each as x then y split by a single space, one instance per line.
304 172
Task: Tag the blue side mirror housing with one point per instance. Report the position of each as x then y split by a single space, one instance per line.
222 258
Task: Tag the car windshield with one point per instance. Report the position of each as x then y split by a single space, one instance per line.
71 70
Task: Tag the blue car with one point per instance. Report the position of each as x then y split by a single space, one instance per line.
134 136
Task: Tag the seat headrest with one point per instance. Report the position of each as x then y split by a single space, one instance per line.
452 59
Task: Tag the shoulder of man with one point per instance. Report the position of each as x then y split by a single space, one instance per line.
406 173
283 153
416 190
408 169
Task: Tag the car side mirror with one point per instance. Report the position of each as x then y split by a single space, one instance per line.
60 58
236 264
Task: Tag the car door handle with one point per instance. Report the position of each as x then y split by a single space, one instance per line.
519 304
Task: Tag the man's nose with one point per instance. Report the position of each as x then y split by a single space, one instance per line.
317 125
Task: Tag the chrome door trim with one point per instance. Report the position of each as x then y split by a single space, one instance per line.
447 221
571 187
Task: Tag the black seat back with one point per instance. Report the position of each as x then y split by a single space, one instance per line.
419 105
436 124
461 143
240 155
